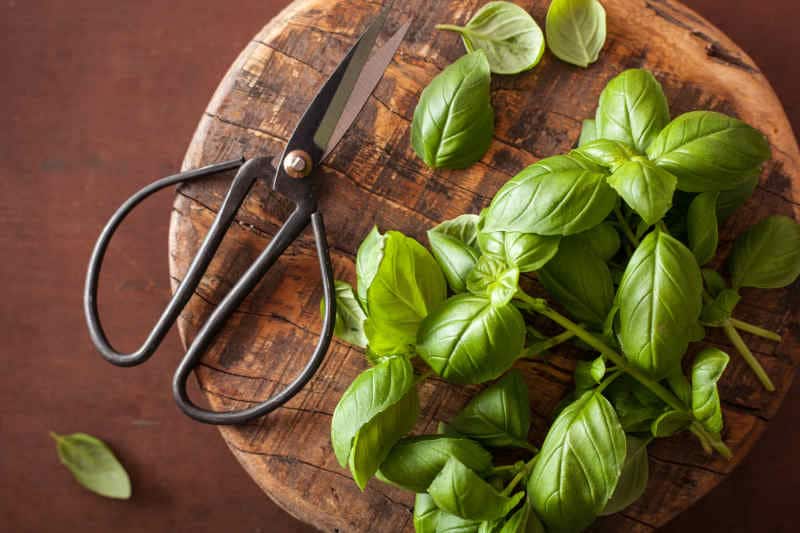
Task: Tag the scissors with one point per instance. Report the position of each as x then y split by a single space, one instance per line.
329 115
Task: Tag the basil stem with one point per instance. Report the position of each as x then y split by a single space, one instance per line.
535 349
626 229
748 356
522 474
755 330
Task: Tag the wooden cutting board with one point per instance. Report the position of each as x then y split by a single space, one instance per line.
373 177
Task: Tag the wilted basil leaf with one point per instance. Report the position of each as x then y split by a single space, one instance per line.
526 251
702 226
646 188
93 464
576 30
454 244
707 368
633 479
767 255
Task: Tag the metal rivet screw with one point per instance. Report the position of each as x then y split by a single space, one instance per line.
297 164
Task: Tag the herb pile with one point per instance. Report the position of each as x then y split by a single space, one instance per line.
620 233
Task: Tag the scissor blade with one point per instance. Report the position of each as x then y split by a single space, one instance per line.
370 76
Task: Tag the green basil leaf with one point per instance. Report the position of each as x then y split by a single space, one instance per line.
767 255
349 315
731 200
714 282
602 239
407 286
680 386
580 282
450 523
426 514
414 462
454 245
524 520
660 299
632 109
707 368
720 309
702 226
646 188
371 393
709 151
588 374
453 122
588 132
375 439
560 195
509 36
469 340
526 251
493 279
608 153
460 491
670 423
579 464
500 416
635 405
576 30
93 465
633 479
368 259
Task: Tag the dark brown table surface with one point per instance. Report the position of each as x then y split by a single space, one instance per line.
100 97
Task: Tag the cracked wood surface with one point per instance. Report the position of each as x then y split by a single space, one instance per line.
373 177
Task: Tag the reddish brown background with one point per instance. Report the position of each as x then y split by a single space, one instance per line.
100 97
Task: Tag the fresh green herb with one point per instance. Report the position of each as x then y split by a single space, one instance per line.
633 479
707 369
646 188
588 132
454 244
576 30
93 464
509 36
350 315
702 225
525 251
493 279
767 255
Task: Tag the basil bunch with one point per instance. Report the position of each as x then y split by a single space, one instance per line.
620 233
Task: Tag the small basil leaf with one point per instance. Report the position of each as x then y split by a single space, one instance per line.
633 479
579 464
731 200
460 491
526 251
589 373
426 514
646 188
375 439
632 109
453 122
509 36
450 523
454 245
680 386
580 282
670 423
414 462
371 393
635 405
588 132
524 520
499 416
576 30
463 228
660 299
93 464
493 279
469 340
368 260
349 315
707 368
767 255
608 153
714 282
709 151
720 309
702 226
407 286
560 195
602 239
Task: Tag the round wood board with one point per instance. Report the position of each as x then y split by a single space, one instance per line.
373 177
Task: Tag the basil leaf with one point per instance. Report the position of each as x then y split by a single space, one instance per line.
646 188
731 200
579 464
468 340
368 259
720 309
588 132
371 393
524 520
714 282
660 299
576 30
526 251
709 151
509 36
680 386
414 462
407 286
493 279
632 109
580 282
375 439
767 255
453 122
454 245
350 316
707 368
460 491
633 479
607 153
450 523
93 465
602 239
426 514
499 416
559 195
670 423
702 226
588 374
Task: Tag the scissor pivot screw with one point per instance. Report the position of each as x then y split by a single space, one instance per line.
297 164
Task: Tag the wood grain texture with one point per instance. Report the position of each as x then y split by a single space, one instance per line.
373 177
